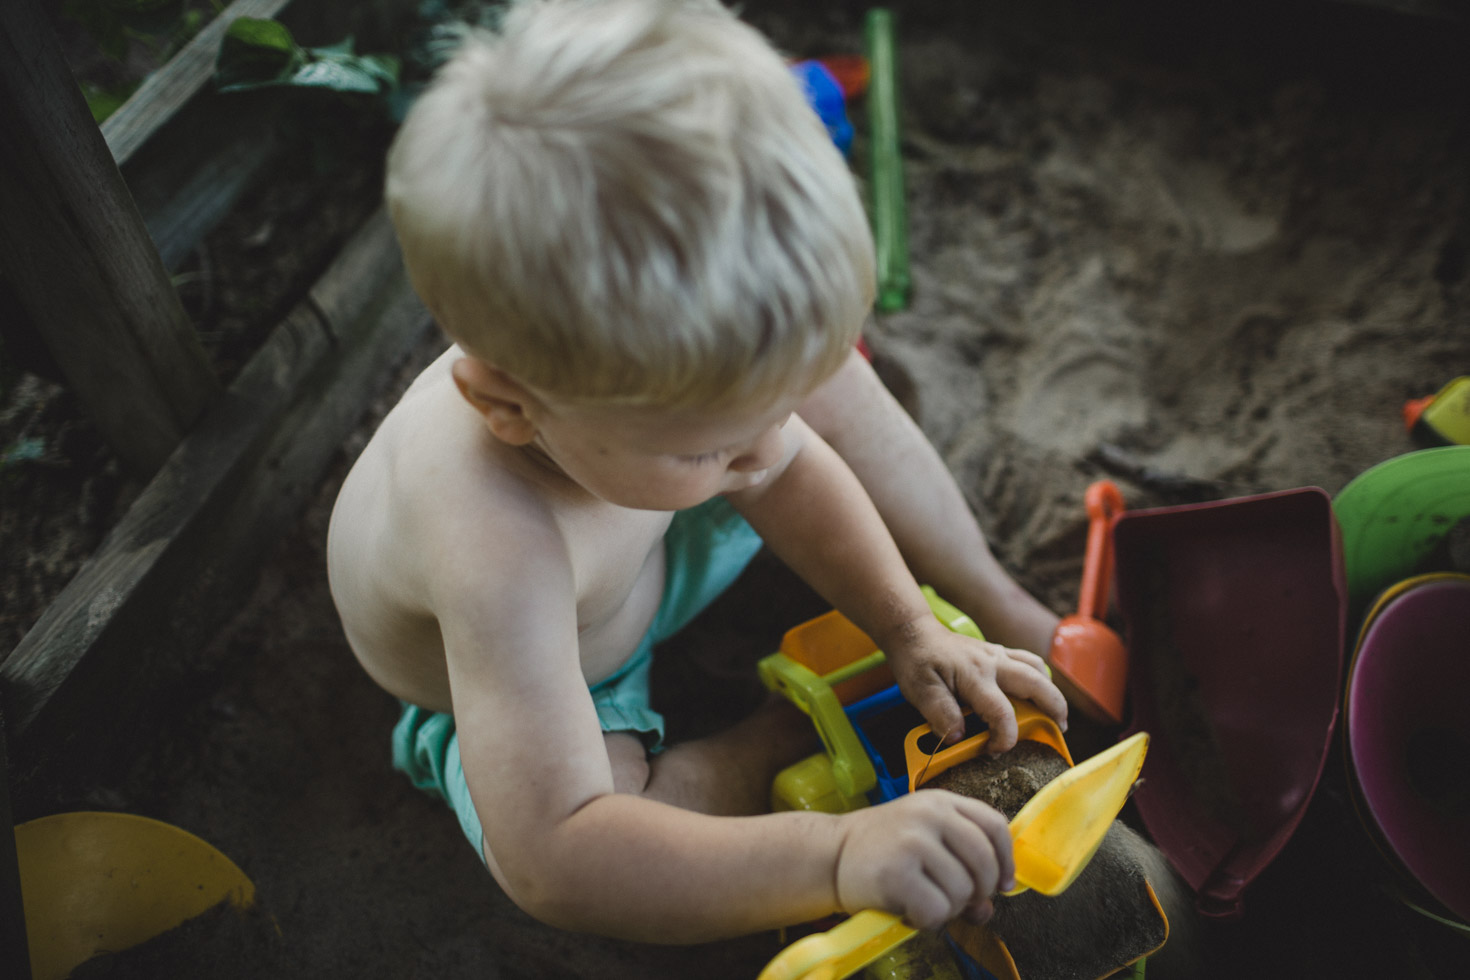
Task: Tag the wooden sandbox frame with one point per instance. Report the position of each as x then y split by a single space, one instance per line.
95 219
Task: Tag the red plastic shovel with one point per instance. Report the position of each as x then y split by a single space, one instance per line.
1088 657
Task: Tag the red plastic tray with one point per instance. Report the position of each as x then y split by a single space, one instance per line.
1235 614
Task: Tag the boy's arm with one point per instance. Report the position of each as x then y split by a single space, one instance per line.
816 516
577 855
922 505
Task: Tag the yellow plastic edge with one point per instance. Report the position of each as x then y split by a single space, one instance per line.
94 881
841 950
1060 828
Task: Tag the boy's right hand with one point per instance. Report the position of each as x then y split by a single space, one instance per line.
941 672
930 857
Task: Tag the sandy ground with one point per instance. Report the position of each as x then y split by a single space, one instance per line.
1205 256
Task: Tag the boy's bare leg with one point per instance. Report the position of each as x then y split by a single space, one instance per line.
725 774
922 506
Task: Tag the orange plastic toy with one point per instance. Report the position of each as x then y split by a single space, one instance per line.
1089 656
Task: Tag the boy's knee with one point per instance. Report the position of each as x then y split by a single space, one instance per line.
629 760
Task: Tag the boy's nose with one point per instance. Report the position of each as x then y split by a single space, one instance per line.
762 454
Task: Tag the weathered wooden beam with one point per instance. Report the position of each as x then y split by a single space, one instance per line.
130 627
192 173
75 249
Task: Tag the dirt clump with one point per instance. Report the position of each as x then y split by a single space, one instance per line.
1005 781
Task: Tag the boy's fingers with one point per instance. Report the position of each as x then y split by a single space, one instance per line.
1028 658
926 906
977 852
992 705
954 879
940 709
997 830
980 912
1021 681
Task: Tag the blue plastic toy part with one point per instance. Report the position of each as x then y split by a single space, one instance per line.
965 963
824 94
893 781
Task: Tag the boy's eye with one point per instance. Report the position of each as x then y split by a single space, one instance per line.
700 458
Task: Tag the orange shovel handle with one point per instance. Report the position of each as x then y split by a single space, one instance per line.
1104 503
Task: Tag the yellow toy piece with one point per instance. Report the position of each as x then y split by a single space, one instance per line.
840 951
1059 829
824 664
811 785
94 882
1447 413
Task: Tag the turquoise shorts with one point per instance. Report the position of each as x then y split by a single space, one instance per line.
706 548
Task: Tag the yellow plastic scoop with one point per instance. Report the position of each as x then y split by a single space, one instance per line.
109 881
1053 837
1059 829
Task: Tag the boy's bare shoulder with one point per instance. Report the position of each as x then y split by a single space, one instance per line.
433 482
435 536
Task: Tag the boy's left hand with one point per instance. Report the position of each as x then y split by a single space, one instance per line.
940 671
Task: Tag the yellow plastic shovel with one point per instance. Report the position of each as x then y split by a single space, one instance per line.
1053 837
109 881
1060 828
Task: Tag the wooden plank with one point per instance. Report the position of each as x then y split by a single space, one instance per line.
193 171
129 628
169 89
75 250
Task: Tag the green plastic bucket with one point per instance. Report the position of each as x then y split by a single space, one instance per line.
1395 515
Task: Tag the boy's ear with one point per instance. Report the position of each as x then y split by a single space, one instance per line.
503 402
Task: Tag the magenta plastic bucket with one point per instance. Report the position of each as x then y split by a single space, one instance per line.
1235 614
1408 733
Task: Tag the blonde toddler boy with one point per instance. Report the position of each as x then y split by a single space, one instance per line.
653 266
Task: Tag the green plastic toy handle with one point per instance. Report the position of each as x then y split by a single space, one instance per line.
851 770
888 213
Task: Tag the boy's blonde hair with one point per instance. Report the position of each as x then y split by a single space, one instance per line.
630 201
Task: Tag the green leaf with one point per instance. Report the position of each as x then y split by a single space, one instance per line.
256 53
338 76
384 67
103 102
256 32
262 54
